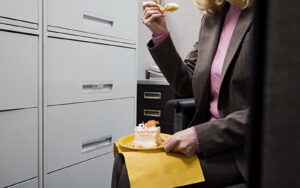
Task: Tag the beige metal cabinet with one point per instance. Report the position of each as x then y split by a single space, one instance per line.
19 146
68 90
78 132
94 173
82 71
18 70
24 10
109 18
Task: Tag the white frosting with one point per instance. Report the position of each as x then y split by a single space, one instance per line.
146 129
142 128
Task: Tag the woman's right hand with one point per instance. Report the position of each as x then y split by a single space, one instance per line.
154 18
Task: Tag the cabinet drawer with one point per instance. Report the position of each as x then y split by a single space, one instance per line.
19 146
24 10
18 70
110 18
94 173
158 113
27 184
78 132
154 94
81 71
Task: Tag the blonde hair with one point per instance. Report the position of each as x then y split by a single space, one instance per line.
213 6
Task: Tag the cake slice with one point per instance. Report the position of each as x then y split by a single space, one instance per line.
171 7
147 135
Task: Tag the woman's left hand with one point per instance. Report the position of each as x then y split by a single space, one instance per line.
182 142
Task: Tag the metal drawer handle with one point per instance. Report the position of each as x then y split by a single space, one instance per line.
98 18
152 113
152 95
96 144
97 87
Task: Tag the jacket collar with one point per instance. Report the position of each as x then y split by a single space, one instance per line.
241 28
209 38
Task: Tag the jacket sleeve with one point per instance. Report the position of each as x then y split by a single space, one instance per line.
223 134
178 73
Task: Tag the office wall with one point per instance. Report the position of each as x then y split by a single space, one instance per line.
183 25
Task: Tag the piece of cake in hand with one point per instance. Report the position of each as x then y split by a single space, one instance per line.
171 7
147 135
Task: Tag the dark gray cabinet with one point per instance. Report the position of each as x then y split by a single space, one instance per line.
151 105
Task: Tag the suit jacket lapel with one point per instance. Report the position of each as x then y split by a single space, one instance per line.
207 45
239 32
209 37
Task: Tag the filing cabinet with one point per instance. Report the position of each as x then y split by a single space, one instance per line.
83 71
19 54
18 70
90 105
82 131
93 173
113 18
91 88
151 104
65 97
25 10
19 146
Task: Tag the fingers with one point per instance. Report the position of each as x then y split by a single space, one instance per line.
150 14
149 11
168 140
170 144
181 142
174 145
149 4
152 18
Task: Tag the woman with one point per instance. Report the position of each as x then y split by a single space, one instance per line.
216 72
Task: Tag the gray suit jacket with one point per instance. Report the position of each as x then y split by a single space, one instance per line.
191 77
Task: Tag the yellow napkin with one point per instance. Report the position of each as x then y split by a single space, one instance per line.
156 168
